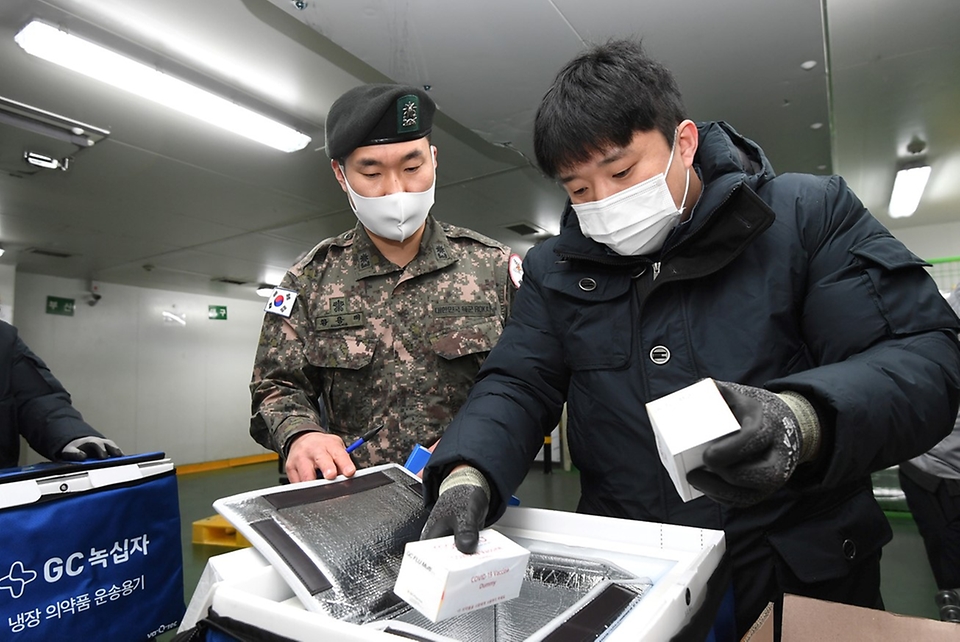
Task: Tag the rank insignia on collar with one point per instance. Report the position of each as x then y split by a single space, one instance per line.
281 302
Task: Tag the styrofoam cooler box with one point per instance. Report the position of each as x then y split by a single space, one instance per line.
678 560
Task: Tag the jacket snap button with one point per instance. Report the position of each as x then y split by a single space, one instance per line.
849 549
660 355
588 285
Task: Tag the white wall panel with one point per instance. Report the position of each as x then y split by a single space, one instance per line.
8 276
931 241
147 383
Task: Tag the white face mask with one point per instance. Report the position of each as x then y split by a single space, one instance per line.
394 216
636 220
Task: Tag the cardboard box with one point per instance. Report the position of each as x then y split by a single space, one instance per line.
440 581
762 629
685 423
808 620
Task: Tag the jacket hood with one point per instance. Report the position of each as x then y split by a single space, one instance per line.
724 161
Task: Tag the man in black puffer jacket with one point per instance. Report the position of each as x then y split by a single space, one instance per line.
34 404
683 256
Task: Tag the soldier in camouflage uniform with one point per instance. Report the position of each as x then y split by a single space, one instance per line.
387 323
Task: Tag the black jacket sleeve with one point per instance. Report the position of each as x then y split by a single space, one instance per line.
888 377
35 404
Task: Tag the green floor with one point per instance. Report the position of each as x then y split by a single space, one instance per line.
908 585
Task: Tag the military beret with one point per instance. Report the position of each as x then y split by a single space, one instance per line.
377 114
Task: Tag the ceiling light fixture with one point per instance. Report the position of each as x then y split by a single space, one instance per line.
2 251
52 44
47 123
45 162
907 189
265 289
173 317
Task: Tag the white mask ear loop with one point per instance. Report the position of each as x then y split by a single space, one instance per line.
343 171
686 187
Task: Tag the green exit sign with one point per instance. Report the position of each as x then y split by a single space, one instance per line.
217 312
63 307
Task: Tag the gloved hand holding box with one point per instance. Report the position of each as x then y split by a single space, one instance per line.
684 423
440 581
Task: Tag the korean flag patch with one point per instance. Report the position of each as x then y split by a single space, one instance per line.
281 302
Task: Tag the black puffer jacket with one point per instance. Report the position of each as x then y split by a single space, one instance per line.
786 283
33 403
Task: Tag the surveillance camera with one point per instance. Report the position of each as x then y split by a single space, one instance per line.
94 298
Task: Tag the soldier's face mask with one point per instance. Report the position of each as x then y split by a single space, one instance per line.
636 220
393 216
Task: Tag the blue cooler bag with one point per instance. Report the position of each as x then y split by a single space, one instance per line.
90 550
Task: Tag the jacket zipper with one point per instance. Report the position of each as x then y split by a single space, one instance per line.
685 277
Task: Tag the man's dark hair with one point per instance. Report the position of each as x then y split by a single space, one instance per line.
599 99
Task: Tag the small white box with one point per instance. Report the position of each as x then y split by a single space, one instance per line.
440 581
685 423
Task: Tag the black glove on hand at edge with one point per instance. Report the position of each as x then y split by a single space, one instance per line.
90 448
777 432
460 510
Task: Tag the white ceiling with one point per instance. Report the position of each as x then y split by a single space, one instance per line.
194 203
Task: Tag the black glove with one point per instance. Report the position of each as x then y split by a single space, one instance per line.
460 510
777 432
90 448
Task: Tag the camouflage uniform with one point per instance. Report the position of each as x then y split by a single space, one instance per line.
368 342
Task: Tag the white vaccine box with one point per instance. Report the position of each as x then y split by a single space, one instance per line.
440 581
685 423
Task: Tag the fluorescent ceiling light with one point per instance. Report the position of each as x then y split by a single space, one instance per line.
907 190
45 162
174 317
85 57
49 124
265 289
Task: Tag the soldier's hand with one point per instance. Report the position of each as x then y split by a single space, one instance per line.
461 509
313 452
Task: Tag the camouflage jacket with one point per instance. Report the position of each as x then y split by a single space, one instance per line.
367 342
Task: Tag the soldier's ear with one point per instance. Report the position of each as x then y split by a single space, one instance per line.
338 172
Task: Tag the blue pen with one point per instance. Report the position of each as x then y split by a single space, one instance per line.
364 438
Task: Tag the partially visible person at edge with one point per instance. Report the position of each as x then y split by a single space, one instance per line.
387 323
683 256
931 483
33 403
